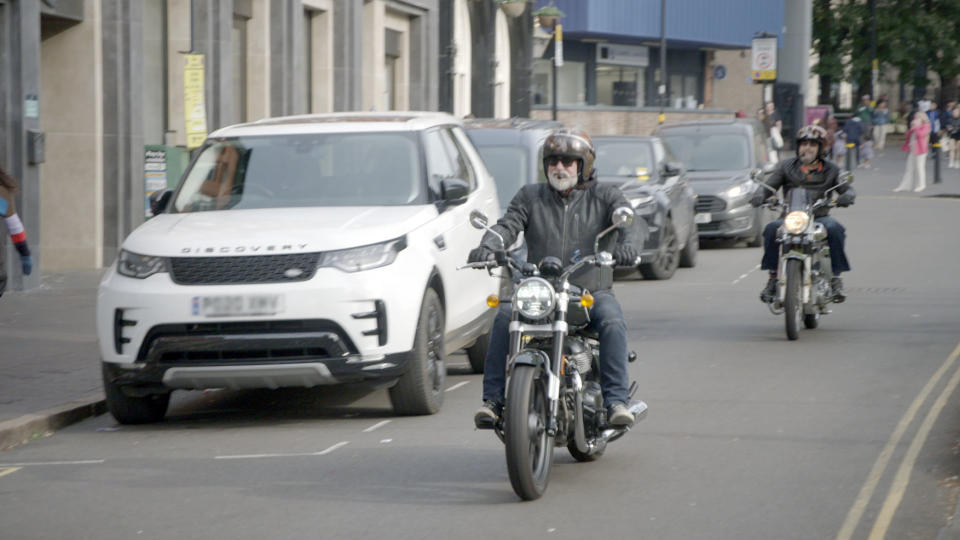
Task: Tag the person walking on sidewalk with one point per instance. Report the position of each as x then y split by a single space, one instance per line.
881 117
916 148
953 130
8 186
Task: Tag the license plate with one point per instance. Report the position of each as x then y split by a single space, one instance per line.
234 305
701 218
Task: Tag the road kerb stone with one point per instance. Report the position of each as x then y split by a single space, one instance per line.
21 430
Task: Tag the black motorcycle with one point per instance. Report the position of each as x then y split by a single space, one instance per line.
804 271
553 395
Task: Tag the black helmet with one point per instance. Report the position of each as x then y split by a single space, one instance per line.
573 143
815 134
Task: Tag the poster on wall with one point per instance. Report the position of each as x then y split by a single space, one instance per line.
154 174
194 100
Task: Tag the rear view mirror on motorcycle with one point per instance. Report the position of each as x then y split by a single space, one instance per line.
623 217
478 219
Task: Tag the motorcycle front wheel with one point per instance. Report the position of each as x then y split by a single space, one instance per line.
528 445
792 303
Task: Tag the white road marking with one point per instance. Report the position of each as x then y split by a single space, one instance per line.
458 385
378 425
37 463
752 270
257 456
385 441
10 470
873 478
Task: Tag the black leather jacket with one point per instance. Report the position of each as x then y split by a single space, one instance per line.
564 226
788 175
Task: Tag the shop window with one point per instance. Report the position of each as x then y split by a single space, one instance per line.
571 82
620 85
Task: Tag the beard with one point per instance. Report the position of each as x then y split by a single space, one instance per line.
808 158
561 180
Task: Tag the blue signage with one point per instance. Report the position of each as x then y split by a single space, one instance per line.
719 72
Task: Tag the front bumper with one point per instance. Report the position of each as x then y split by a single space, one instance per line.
735 220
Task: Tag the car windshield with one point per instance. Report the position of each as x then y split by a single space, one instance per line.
280 171
710 152
627 159
510 167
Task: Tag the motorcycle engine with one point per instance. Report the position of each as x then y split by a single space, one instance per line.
579 354
592 401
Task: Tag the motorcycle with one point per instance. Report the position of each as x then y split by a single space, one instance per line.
553 394
804 271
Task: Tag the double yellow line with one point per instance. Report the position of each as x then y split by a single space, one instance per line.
902 476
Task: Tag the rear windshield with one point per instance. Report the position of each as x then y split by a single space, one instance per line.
709 152
280 171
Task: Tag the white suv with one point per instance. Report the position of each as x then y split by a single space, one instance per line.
303 251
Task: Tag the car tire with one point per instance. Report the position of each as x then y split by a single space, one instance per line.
667 259
477 353
688 255
420 389
133 409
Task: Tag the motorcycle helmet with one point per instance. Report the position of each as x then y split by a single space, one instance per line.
814 134
571 143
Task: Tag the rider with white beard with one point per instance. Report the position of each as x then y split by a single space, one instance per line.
810 171
562 219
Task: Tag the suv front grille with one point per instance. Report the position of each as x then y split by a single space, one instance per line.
248 269
709 203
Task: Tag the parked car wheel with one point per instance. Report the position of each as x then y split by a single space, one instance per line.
688 255
420 389
129 409
477 353
667 259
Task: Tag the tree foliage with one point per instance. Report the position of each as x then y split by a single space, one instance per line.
912 35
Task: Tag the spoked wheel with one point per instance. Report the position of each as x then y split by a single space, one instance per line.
529 447
792 303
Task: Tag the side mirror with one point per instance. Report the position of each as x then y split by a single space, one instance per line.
623 217
673 168
454 191
478 219
768 167
159 200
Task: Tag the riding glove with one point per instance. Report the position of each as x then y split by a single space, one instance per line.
626 255
758 198
845 199
480 254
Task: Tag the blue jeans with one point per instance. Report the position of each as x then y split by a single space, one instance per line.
836 236
606 318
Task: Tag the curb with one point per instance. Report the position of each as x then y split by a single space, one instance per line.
22 430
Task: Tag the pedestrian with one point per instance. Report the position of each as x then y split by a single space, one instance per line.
953 130
773 126
839 146
832 128
8 186
865 112
881 118
854 129
866 150
916 148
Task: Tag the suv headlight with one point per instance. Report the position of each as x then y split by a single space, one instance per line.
364 257
796 222
139 266
534 298
739 190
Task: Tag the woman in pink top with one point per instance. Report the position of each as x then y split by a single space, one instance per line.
916 148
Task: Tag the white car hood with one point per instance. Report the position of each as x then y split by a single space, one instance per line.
273 230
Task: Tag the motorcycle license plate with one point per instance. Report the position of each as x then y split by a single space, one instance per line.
237 305
702 218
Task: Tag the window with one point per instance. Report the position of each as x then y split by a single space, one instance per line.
571 82
440 161
239 45
621 161
620 85
719 152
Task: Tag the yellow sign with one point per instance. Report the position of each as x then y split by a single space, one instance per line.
194 100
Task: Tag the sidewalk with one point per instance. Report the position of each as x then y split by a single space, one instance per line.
49 364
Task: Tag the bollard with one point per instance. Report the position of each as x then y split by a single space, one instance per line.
936 162
849 155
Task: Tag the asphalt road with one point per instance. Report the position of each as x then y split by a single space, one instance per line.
850 431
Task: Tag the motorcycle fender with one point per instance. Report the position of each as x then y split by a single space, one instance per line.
782 273
536 357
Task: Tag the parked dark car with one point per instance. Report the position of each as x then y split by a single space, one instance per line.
656 186
721 156
511 150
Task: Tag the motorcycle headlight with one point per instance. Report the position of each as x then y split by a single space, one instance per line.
796 222
364 257
534 298
139 266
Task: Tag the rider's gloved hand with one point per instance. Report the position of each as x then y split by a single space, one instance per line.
481 253
625 255
845 199
758 198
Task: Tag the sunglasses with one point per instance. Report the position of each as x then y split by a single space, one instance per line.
566 160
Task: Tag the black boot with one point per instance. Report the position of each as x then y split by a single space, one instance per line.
836 284
769 293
